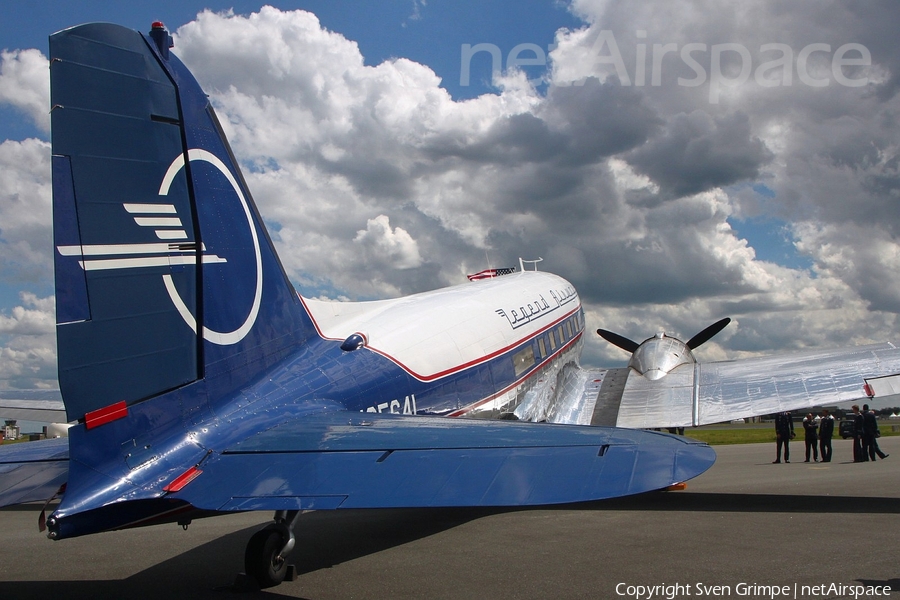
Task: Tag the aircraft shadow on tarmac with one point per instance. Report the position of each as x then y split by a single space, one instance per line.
330 538
748 503
894 583
325 539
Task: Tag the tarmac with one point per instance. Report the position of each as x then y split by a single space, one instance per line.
782 528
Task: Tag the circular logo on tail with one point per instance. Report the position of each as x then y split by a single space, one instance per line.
217 337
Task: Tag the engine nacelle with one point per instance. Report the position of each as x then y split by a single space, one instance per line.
656 357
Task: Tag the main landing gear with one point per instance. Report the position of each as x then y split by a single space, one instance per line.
265 558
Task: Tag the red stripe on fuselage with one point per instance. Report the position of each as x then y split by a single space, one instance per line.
456 369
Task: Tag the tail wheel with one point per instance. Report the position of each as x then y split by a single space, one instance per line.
261 559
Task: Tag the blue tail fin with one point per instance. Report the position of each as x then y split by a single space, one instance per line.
164 271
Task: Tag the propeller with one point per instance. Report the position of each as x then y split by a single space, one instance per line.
618 340
701 338
706 334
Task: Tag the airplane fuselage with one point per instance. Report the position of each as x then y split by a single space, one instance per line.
470 349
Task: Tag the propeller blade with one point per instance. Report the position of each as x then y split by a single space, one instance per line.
617 340
706 334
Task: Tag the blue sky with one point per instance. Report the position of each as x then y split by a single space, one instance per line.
668 199
431 33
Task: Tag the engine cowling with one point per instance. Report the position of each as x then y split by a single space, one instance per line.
656 357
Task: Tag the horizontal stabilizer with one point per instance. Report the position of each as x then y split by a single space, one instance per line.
367 461
32 471
339 460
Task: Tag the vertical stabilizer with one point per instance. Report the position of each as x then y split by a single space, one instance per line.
164 271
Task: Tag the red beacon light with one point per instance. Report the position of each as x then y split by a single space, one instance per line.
161 38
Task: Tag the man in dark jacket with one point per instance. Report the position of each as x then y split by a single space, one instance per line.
826 430
858 455
784 432
870 429
810 436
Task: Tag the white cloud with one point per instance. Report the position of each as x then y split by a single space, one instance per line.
25 84
390 247
864 258
28 354
25 212
36 317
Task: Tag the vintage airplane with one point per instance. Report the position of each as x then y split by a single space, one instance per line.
199 382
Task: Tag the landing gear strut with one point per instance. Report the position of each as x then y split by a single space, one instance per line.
265 558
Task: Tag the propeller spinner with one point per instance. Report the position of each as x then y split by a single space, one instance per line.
659 355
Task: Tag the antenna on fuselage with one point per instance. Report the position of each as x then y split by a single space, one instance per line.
522 262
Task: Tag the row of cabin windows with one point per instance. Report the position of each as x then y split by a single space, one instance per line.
556 337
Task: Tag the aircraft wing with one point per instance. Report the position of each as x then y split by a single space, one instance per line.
44 406
721 391
713 392
32 471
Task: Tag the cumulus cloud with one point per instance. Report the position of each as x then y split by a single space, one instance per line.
699 152
24 84
28 350
36 317
820 146
864 257
25 212
393 246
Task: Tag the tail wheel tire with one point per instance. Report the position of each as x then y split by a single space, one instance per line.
261 558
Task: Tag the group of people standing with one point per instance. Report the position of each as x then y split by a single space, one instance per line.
817 436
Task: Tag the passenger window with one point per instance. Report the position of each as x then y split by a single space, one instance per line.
523 360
